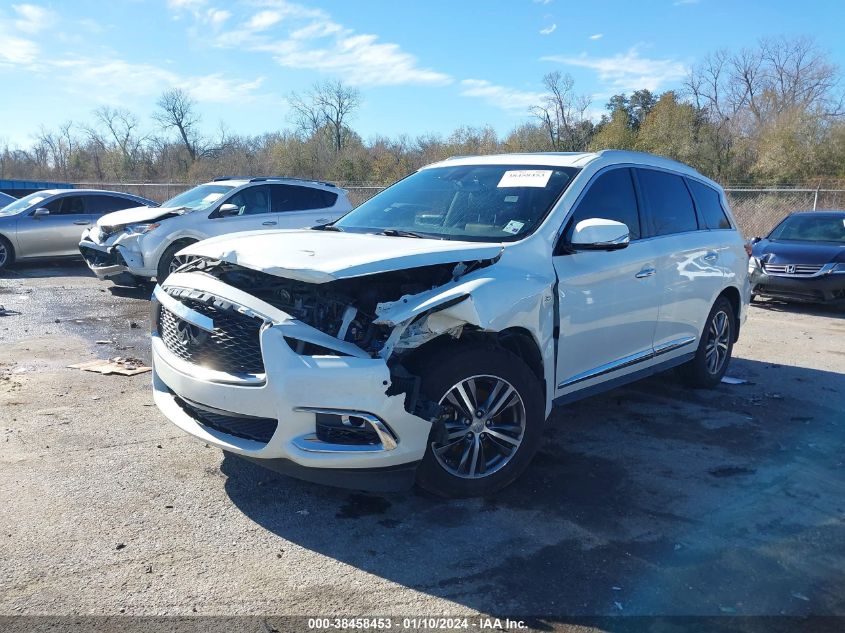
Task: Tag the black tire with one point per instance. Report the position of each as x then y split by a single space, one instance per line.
701 371
7 253
167 258
485 365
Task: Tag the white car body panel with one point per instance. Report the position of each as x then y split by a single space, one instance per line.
593 316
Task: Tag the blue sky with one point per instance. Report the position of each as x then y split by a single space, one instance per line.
425 66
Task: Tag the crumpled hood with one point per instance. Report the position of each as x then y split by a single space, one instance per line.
135 215
786 252
321 256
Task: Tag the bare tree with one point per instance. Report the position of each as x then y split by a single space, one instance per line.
178 111
330 106
562 113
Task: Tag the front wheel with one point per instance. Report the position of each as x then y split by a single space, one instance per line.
7 253
711 359
491 422
170 261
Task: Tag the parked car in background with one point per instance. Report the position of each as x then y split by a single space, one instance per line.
136 245
49 223
802 259
5 199
426 335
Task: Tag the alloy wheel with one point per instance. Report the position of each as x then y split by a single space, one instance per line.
4 254
718 342
178 261
484 428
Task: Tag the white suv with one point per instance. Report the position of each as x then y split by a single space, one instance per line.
426 335
137 244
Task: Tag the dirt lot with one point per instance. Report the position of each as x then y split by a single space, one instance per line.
648 500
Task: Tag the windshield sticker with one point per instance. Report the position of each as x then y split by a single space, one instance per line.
513 227
511 198
525 178
212 197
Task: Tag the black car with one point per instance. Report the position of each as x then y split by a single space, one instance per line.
802 259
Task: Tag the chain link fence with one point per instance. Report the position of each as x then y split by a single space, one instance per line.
757 210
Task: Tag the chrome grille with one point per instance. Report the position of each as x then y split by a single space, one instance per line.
232 347
792 270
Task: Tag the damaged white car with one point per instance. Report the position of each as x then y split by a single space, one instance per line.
132 246
426 335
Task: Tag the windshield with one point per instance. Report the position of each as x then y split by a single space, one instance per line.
24 203
487 203
199 197
811 228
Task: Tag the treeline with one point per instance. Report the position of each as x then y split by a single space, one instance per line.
771 114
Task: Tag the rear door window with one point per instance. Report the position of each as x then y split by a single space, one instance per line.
611 197
297 198
709 205
100 204
669 206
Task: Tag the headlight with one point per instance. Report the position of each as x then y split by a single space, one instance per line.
142 228
838 269
753 264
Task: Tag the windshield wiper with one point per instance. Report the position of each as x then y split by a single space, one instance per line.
327 227
399 233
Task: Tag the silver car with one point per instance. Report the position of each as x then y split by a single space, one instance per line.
49 223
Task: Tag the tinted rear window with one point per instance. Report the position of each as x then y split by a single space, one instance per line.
100 204
669 204
296 198
709 205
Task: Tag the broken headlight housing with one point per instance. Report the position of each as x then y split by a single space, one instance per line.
140 229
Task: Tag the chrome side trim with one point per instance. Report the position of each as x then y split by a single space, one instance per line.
182 311
670 346
627 361
312 444
601 370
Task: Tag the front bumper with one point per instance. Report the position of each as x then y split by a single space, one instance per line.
825 288
112 260
288 395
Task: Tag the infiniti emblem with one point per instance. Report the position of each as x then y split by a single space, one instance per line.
790 269
190 335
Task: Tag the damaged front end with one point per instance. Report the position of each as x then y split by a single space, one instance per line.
384 315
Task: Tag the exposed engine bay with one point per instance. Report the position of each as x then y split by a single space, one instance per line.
345 308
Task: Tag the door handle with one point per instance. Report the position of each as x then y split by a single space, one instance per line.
271 223
81 222
646 272
711 256
322 220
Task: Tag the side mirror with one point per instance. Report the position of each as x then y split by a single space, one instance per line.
754 240
598 234
40 212
228 210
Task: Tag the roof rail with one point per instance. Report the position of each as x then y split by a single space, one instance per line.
219 178
265 178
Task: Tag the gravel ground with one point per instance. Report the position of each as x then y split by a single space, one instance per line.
648 500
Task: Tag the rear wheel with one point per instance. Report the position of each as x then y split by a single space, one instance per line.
491 425
7 253
715 347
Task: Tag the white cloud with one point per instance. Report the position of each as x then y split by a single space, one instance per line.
32 18
115 80
264 20
597 36
308 39
217 17
187 5
627 71
500 96
548 30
